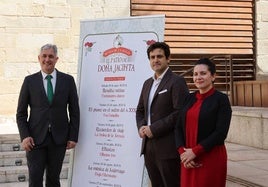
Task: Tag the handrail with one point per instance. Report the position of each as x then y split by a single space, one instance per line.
189 70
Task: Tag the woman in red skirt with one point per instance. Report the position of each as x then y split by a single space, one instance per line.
201 129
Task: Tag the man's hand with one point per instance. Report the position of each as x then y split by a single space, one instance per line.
142 132
70 145
145 131
28 143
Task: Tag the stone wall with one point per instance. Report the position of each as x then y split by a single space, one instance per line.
26 25
249 126
262 39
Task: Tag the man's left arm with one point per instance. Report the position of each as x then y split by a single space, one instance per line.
74 115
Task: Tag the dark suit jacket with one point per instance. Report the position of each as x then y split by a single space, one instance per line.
63 114
167 101
213 123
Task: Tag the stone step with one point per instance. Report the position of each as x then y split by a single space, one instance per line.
12 158
9 138
18 158
10 147
64 183
11 174
10 142
13 168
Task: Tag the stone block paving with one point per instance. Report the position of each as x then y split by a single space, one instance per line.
247 165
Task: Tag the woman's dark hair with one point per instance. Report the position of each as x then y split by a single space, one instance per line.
209 63
161 45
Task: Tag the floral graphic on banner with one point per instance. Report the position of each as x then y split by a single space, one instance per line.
88 46
149 42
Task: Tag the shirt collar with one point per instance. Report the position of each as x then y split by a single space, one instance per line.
161 76
53 74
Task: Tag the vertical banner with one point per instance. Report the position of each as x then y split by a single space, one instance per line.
113 65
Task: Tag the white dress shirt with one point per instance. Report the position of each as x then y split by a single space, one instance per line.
152 92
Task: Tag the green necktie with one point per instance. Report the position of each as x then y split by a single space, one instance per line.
49 88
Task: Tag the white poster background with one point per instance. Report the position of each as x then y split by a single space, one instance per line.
113 67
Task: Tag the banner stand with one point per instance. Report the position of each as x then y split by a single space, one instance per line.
113 65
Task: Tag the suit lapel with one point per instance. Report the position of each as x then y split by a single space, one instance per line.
41 84
162 83
147 91
58 83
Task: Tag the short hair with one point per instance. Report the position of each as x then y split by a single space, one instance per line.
209 63
161 45
49 46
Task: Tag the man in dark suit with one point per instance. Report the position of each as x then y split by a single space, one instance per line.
157 111
52 124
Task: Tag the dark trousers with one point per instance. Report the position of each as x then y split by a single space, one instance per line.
162 172
45 157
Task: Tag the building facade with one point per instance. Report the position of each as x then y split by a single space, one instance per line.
26 25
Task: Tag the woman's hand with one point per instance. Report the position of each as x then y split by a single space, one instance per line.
187 158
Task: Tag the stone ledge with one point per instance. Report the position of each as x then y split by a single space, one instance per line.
249 126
